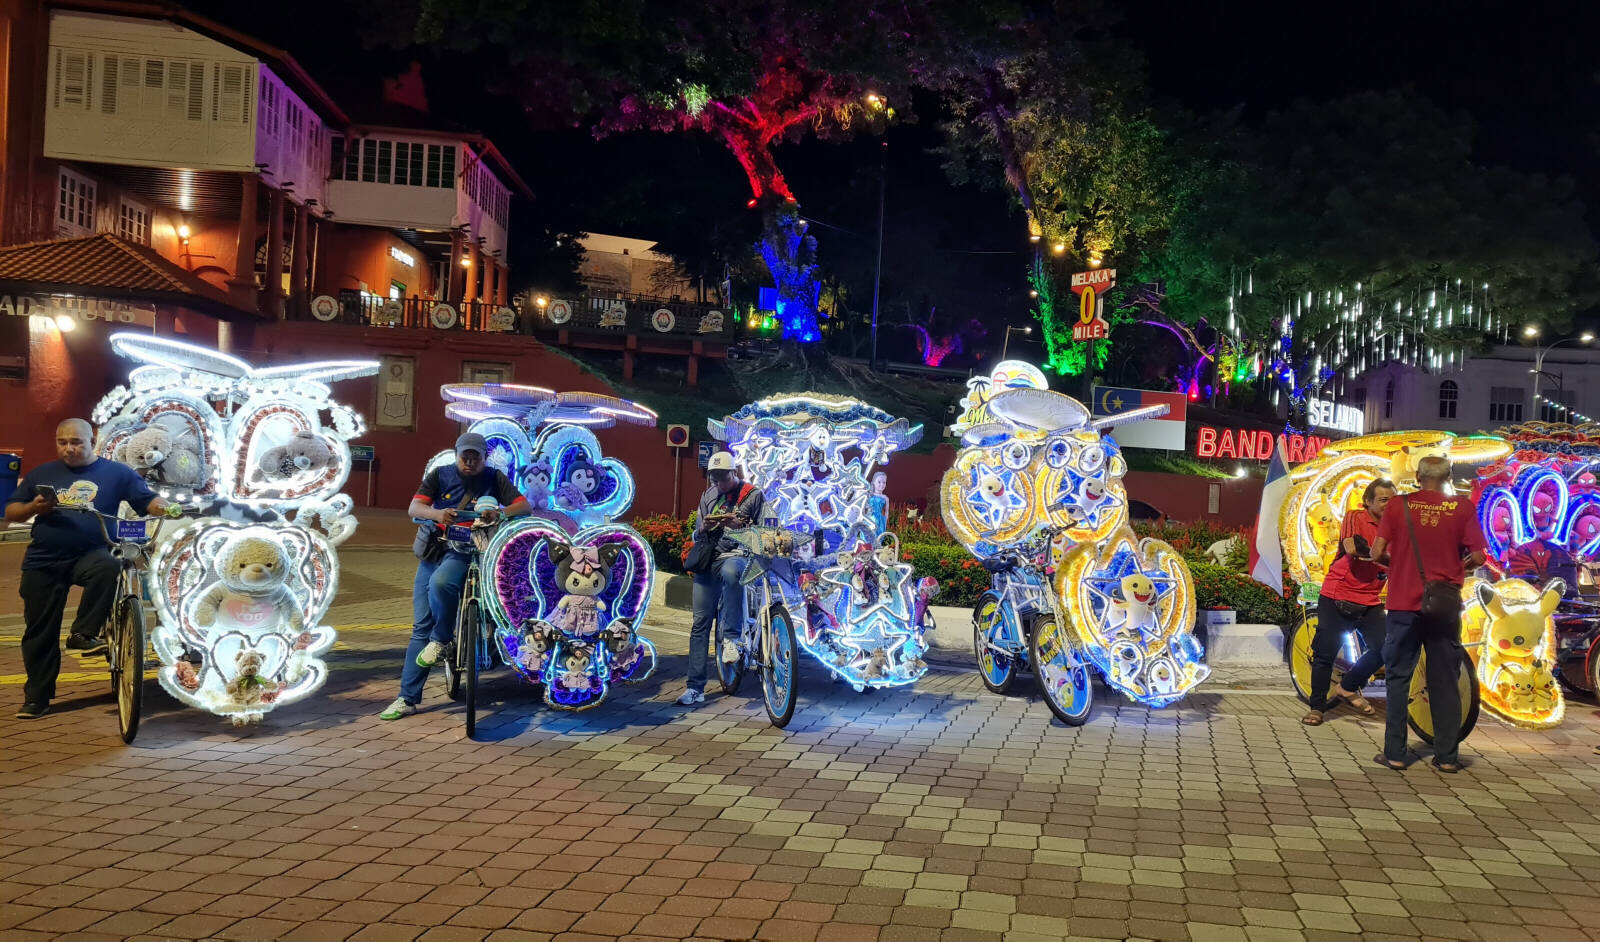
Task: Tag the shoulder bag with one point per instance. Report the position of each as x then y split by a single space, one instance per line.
700 555
1441 599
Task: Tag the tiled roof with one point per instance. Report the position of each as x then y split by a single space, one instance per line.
114 267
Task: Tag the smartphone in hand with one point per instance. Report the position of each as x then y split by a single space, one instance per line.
47 492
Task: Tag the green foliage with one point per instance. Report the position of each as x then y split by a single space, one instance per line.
961 578
668 538
1140 460
1219 587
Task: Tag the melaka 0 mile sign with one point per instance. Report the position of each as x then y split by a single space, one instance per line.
1090 287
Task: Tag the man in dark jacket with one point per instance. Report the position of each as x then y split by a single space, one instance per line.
728 504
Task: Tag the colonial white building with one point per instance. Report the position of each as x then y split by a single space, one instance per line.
1484 393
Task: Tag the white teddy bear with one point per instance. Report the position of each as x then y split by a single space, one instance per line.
162 459
250 591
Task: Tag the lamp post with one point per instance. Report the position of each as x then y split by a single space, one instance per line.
1007 343
1538 358
877 279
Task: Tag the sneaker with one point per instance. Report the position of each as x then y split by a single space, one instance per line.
430 653
398 709
86 646
691 697
730 652
33 710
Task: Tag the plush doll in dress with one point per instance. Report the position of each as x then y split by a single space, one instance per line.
251 590
537 486
582 572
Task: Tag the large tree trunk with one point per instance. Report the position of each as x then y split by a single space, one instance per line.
791 257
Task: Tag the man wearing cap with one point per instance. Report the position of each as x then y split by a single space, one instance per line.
728 504
442 569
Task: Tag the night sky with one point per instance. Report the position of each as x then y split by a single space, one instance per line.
1525 73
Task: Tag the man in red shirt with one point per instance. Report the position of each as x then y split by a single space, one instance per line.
1448 543
1350 601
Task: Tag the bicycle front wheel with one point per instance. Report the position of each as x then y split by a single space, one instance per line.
1419 715
127 665
778 666
470 626
1062 673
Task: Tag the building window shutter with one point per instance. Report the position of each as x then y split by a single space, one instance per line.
72 80
197 92
108 86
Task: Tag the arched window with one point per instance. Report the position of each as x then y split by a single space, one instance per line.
1448 394
1388 400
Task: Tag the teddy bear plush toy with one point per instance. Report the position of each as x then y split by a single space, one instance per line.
248 691
251 590
305 453
162 458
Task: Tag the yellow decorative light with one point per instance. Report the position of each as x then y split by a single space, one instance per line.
1511 638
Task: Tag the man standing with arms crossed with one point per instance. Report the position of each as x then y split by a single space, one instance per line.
1430 538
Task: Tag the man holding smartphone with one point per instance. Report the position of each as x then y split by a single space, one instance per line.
68 549
728 504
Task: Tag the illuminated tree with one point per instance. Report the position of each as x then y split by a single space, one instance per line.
750 73
1345 235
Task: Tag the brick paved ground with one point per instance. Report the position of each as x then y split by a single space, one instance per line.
941 812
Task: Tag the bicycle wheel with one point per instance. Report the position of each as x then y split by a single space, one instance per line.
1297 651
455 657
997 668
127 665
1419 715
729 673
471 624
778 667
1061 671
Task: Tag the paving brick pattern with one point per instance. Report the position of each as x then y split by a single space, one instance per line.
940 812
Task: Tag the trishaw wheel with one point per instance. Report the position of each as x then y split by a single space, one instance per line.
1062 673
1419 716
778 667
129 667
471 626
1298 653
455 657
997 669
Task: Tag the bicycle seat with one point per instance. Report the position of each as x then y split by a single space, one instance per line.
1000 564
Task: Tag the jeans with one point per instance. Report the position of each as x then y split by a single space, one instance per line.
1408 634
44 599
717 595
1325 644
435 595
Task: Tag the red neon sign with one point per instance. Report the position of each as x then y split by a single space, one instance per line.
1256 445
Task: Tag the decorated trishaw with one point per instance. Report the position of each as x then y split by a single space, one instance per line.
258 456
1322 492
1036 495
558 595
825 573
1539 631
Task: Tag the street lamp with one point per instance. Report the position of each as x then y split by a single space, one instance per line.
1538 357
1006 345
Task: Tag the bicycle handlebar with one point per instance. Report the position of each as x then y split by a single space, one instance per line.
101 518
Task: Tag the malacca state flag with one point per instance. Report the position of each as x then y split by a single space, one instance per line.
1266 553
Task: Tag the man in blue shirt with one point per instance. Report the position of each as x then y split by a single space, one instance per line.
441 567
68 549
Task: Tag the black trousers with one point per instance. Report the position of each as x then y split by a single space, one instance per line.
44 598
1410 633
1332 623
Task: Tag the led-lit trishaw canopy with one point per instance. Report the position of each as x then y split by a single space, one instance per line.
812 455
543 441
1326 488
239 601
1036 463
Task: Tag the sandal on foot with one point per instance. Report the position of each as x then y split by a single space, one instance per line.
1357 702
1314 718
1448 768
1390 764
